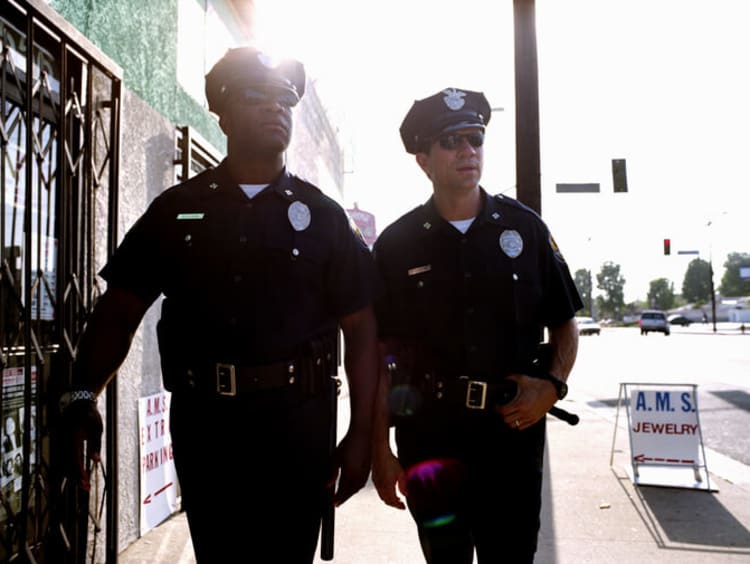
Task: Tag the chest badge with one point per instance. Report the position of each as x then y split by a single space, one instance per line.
511 243
299 215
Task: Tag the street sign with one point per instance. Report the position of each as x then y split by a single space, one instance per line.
158 474
591 187
666 443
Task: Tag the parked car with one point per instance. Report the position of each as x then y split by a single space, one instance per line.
679 320
653 320
587 326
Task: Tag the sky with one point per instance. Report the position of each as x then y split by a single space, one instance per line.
662 84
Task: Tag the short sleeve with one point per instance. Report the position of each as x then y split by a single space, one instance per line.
136 264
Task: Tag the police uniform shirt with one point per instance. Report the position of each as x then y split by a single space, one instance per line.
479 300
247 280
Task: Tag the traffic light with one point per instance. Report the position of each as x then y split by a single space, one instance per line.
619 176
667 246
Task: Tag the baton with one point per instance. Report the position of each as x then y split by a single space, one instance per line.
567 416
329 511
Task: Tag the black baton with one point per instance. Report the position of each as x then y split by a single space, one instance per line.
567 416
329 511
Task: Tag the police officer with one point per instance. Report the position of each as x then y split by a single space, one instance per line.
258 270
470 281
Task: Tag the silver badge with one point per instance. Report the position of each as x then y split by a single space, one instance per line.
454 99
299 216
511 243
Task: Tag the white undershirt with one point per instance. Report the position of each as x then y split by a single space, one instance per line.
252 190
463 224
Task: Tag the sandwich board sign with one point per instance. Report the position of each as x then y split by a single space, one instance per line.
666 443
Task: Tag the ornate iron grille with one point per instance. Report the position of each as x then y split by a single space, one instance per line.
59 131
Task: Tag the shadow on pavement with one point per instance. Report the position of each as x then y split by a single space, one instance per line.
692 520
738 398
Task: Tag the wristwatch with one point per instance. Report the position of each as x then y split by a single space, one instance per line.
76 395
560 386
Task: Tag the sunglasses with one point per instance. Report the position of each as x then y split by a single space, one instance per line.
455 140
253 96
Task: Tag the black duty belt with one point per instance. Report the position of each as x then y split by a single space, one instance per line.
474 394
231 380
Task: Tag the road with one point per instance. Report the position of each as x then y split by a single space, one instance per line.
719 364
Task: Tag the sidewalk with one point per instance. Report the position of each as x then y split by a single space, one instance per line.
592 512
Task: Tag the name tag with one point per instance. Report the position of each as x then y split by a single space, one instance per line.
419 270
190 216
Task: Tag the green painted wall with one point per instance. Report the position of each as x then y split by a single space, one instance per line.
141 36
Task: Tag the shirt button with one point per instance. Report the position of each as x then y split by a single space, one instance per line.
469 310
467 275
473 348
237 278
233 321
464 240
243 239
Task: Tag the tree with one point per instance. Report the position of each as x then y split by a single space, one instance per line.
661 294
582 279
611 282
696 286
731 283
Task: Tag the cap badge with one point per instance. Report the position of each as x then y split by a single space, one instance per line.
299 216
511 243
454 99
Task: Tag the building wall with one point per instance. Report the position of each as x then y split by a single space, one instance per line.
141 35
146 169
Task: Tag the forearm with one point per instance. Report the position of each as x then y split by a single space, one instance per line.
564 348
381 420
106 340
360 363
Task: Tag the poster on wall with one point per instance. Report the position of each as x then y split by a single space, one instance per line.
11 440
157 471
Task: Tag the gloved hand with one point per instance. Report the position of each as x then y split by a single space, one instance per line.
80 440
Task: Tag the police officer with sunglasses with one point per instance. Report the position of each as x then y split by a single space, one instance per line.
259 270
470 281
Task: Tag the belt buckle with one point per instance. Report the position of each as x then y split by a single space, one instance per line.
226 381
476 394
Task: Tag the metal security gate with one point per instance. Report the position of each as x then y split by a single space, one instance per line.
59 131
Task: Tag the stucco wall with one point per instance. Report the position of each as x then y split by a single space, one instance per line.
146 169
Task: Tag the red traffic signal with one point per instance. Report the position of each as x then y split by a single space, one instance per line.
667 246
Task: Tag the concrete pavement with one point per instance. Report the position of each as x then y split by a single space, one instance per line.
592 512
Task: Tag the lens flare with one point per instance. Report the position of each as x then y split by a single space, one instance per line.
434 489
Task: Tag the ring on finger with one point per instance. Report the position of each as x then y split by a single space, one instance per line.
517 423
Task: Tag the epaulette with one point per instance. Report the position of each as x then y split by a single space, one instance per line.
512 202
305 182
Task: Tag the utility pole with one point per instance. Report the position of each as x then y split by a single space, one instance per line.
528 168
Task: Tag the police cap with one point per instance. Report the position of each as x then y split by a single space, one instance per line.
449 110
247 67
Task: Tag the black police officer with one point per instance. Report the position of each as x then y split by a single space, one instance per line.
258 269
470 281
